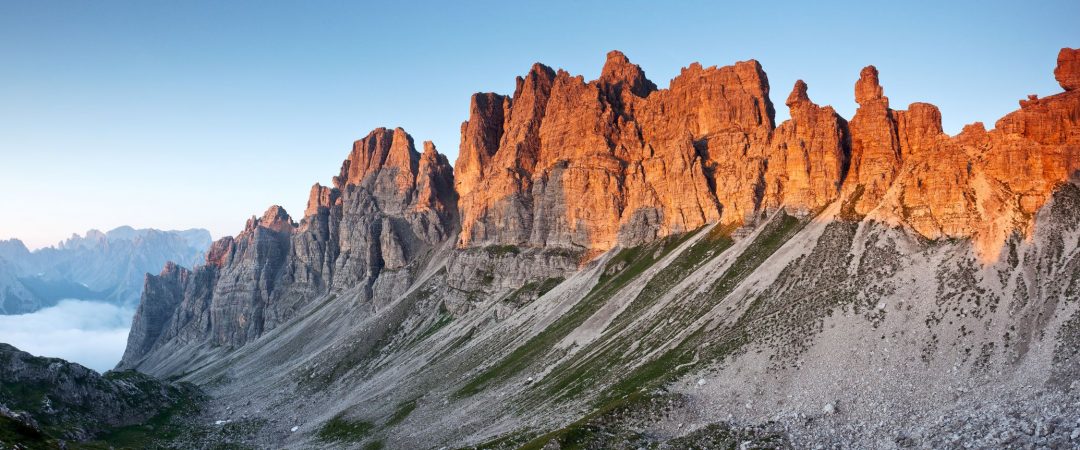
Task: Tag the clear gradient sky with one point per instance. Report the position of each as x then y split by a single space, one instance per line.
201 113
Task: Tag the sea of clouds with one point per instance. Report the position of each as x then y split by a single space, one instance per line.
89 333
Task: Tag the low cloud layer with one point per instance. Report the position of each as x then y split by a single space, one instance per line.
89 333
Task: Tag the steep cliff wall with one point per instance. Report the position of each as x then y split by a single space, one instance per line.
564 170
591 165
983 185
611 261
389 206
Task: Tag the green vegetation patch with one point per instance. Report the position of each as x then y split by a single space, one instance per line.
609 358
709 246
576 434
761 249
340 429
532 290
401 413
166 426
625 266
502 250
511 440
14 432
617 424
441 321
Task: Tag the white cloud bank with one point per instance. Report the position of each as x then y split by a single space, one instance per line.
90 333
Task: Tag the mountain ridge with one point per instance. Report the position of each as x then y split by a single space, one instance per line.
598 243
99 265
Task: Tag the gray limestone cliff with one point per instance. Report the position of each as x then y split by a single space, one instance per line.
388 208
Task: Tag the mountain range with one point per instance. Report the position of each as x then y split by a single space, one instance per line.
609 264
107 266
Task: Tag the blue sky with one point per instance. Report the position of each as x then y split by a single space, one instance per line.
200 114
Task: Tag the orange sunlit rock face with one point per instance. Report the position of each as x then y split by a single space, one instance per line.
1067 72
979 184
808 155
569 163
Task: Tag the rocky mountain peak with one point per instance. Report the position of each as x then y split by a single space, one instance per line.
382 148
320 199
1067 72
389 205
591 164
219 252
924 121
620 74
402 154
170 267
807 156
480 136
13 248
875 143
798 95
868 89
435 182
540 77
275 218
93 238
429 150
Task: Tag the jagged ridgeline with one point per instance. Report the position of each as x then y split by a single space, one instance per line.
108 266
613 265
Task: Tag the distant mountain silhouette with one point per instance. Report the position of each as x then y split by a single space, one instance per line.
107 266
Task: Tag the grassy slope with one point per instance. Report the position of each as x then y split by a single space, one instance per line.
633 384
630 262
